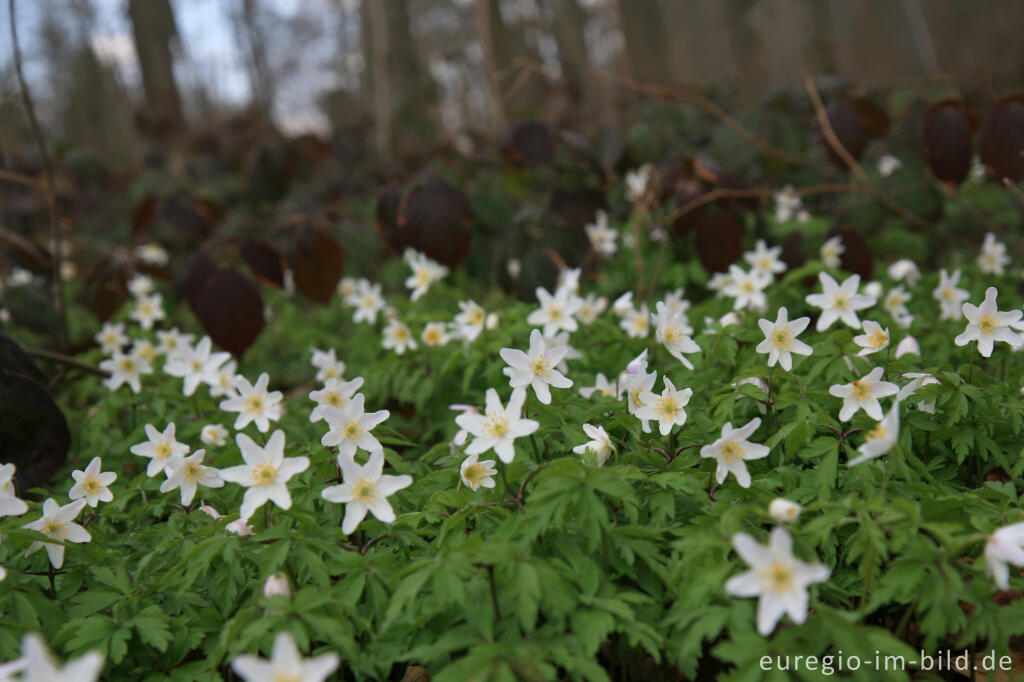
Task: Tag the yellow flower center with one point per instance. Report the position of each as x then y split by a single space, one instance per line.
401 334
780 577
331 372
746 286
55 530
840 302
473 474
432 336
263 474
783 339
635 397
365 491
731 451
987 325
192 472
127 365
947 294
673 335
353 430
285 677
877 432
422 277
861 390
541 367
333 399
667 407
163 451
475 317
497 425
764 263
196 365
640 323
92 486
254 403
878 339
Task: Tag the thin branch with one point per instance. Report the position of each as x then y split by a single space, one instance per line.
20 178
57 282
65 360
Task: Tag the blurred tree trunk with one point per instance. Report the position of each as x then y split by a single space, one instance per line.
402 94
251 39
517 93
643 28
154 29
569 20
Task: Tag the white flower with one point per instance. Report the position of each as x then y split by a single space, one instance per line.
949 296
10 504
187 473
214 435
986 325
905 270
623 304
636 322
666 408
993 258
719 282
602 237
335 393
367 301
285 664
125 369
788 205
144 348
839 301
434 334
147 310
600 444
239 527
499 426
783 510
350 426
254 403
874 290
224 385
38 665
747 288
277 585
476 474
514 266
918 379
470 322
58 523
831 251
557 342
327 364
636 384
365 488
601 386
895 302
151 253
159 448
733 449
1004 546
537 369
880 439
590 307
265 473
780 340
863 394
636 182
776 576
196 365
888 164
556 312
397 337
140 285
873 339
672 330
908 346
92 484
172 341
348 286
111 338
20 277
765 261
424 273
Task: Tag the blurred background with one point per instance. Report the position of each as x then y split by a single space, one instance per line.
404 76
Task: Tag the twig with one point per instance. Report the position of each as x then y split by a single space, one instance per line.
65 360
19 178
57 281
851 163
1014 191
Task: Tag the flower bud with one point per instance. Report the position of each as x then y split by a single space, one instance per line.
277 585
783 510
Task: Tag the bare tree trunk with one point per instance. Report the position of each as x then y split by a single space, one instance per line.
154 29
643 28
521 90
379 74
572 47
250 37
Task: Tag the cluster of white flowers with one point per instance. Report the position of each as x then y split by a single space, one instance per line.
789 206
